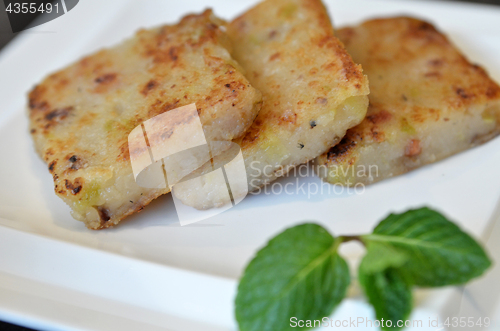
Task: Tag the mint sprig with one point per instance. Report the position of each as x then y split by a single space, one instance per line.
299 275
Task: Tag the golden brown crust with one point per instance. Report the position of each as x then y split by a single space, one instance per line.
426 103
312 92
88 109
270 27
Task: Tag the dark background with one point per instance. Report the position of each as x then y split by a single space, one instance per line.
6 36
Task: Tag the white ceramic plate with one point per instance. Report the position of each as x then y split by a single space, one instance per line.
150 273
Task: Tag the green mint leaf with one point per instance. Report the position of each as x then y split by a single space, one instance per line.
390 294
298 274
381 256
438 252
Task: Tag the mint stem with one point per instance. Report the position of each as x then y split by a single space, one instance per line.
351 238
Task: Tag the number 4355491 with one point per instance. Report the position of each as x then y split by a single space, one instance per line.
467 322
27 7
